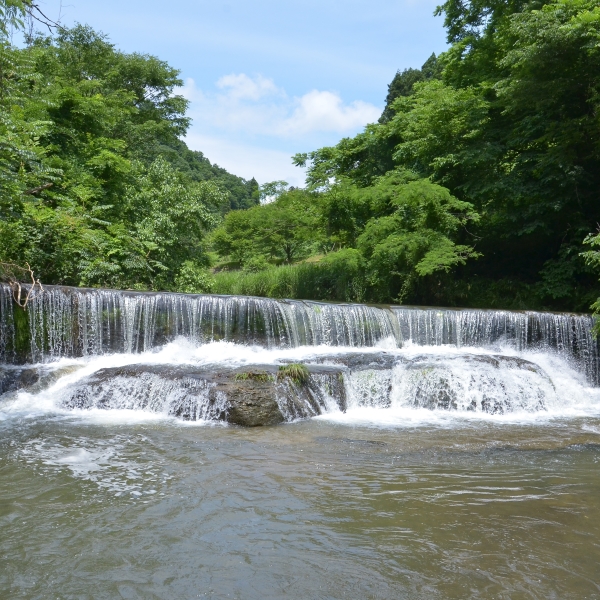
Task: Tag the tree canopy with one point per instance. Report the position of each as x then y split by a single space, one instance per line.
96 185
507 121
478 186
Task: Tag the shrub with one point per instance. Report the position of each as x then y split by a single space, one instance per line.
194 279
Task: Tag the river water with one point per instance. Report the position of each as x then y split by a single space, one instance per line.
380 501
444 454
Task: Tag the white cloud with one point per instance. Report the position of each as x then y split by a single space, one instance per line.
252 127
325 111
256 105
242 87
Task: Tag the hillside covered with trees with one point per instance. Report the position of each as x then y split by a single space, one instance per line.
478 186
97 187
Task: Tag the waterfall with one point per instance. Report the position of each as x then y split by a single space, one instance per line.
7 325
491 384
81 322
569 335
74 322
185 397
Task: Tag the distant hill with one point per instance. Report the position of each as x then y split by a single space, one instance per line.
242 193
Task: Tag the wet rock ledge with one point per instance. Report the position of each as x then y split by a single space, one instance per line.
253 396
259 395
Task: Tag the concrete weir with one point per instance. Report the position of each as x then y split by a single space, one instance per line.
223 358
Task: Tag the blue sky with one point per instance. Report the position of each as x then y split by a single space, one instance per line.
267 78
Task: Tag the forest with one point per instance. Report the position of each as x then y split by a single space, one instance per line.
97 187
479 186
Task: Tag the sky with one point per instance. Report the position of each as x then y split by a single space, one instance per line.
269 78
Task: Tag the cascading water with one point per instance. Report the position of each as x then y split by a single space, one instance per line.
493 384
87 322
187 355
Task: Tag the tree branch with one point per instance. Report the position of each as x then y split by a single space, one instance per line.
9 273
39 189
35 12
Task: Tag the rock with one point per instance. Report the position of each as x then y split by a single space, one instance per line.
251 402
31 378
360 360
13 378
252 396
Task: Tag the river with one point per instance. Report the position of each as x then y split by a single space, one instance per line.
381 498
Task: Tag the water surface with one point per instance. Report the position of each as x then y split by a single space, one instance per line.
128 506
465 466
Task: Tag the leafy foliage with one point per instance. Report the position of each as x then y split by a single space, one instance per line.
478 186
414 235
416 239
404 82
96 186
508 124
279 232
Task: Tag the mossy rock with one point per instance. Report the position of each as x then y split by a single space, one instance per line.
261 376
297 372
22 338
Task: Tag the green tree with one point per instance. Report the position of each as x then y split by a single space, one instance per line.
91 192
417 239
510 127
282 231
404 82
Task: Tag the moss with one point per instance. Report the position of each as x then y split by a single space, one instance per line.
254 376
22 334
297 372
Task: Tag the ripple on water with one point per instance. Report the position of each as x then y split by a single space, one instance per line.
106 463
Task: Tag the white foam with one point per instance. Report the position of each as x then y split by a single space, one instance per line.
104 463
574 398
403 417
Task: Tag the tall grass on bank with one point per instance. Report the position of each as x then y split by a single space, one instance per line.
337 280
309 281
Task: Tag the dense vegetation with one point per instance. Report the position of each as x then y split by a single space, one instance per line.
96 186
479 186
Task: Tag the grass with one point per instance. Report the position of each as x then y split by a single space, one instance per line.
254 376
297 372
276 282
306 280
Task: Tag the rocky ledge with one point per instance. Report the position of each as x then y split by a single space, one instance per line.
253 396
258 395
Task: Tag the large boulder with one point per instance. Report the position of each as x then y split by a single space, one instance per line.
252 396
493 384
250 401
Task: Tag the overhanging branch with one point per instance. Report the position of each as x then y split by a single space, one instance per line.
13 274
39 189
